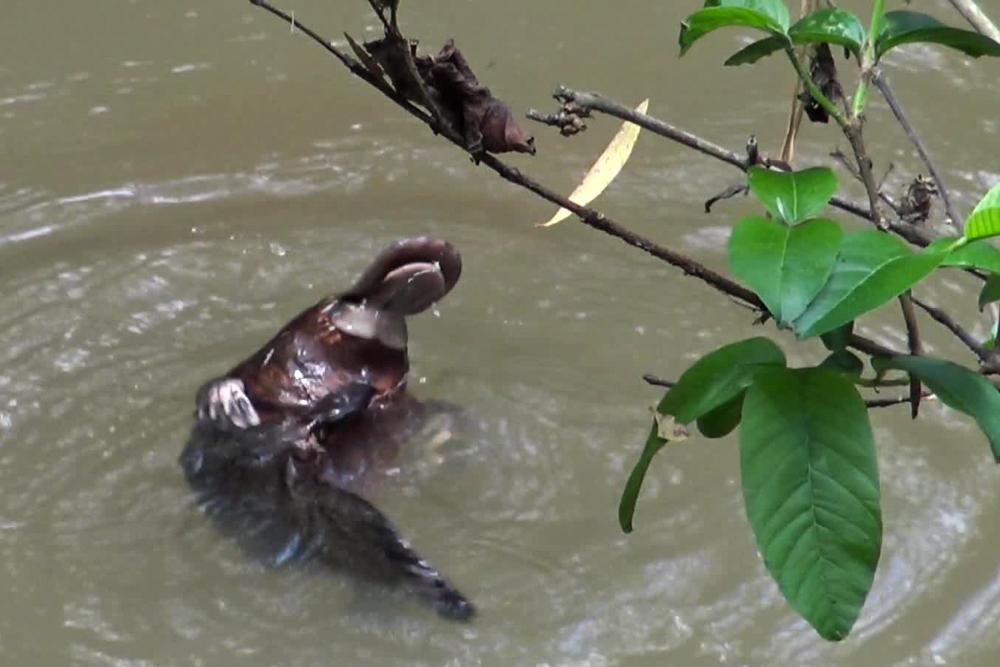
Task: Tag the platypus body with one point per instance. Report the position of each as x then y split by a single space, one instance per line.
281 440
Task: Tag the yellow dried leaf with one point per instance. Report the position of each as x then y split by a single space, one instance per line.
607 167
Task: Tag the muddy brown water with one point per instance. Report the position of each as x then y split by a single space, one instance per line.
179 178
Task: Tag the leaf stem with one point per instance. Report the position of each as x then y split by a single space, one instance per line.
868 59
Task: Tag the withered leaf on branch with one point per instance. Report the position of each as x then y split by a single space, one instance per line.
483 121
390 53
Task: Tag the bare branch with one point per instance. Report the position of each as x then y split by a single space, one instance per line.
658 382
890 402
976 18
946 320
597 102
878 78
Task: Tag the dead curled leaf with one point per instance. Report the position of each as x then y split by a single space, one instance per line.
484 121
605 169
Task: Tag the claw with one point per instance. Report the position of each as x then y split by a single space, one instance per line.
225 402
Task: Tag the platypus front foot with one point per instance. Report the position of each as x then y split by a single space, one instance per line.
225 403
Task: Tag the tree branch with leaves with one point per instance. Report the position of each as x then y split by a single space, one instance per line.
807 451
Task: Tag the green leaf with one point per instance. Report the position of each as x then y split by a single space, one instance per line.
958 388
810 483
872 268
985 219
975 255
767 15
786 266
991 292
793 196
721 421
831 26
839 338
757 50
906 27
718 377
630 495
844 362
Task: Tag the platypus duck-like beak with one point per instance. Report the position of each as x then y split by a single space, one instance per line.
404 279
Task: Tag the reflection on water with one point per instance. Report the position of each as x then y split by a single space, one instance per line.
177 180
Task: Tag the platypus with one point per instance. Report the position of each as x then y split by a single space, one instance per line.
280 440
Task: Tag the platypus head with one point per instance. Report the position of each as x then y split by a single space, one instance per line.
404 279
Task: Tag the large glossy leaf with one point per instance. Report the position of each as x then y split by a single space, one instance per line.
958 388
872 268
793 196
786 266
975 255
767 15
985 218
810 482
907 27
718 377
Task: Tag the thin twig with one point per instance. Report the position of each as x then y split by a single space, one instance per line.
597 102
658 382
878 78
946 320
890 402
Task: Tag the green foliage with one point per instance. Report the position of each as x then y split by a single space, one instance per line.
723 420
808 460
786 266
872 268
828 25
958 388
990 292
717 378
705 391
757 50
832 26
810 483
767 15
844 361
626 506
975 255
985 219
839 338
793 196
907 27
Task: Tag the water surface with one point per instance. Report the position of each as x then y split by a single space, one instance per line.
179 179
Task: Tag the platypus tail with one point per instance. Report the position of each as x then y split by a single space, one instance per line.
352 533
